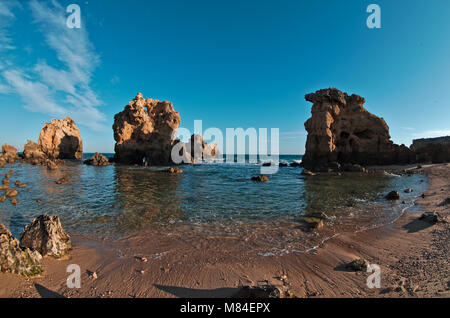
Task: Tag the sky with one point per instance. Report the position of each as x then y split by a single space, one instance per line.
231 64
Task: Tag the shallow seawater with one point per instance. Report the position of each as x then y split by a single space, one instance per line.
208 199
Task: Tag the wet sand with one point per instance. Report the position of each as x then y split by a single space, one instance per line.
413 256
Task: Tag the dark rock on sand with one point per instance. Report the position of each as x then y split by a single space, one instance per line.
295 164
393 195
46 235
282 164
431 217
17 260
342 130
313 223
358 265
97 160
265 291
260 178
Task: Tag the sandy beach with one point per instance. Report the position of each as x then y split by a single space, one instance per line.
412 254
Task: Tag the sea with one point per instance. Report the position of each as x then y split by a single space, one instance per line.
213 198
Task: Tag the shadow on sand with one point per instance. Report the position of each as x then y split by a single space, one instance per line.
47 293
183 292
416 226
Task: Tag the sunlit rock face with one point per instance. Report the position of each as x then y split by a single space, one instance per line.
341 130
145 132
61 139
200 150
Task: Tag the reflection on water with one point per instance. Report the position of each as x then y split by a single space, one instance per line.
212 199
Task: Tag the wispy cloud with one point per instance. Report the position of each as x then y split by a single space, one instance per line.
63 90
432 133
6 17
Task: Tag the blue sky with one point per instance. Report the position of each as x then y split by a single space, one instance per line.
234 63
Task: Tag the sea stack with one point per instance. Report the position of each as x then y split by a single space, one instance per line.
342 131
144 132
60 139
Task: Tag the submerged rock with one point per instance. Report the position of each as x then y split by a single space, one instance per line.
173 170
260 178
52 165
358 265
63 180
342 130
393 195
2 199
145 132
11 193
408 190
17 260
61 139
306 172
46 235
97 160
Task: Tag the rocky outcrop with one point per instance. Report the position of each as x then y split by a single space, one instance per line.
200 150
46 235
8 155
32 151
17 260
61 139
434 150
145 132
97 160
341 131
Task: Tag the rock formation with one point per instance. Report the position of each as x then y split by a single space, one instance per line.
8 155
144 132
17 260
341 130
434 150
32 151
60 139
200 150
46 235
97 160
